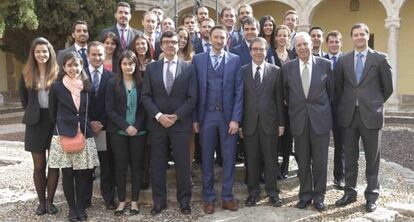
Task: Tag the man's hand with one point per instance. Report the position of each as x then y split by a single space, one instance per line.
131 130
96 127
281 130
165 121
233 127
172 117
196 127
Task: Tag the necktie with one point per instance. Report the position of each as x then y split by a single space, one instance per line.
95 81
229 36
169 78
305 80
82 52
333 62
123 41
207 47
257 81
216 62
359 67
152 51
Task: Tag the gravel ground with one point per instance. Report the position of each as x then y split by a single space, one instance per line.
4 121
397 144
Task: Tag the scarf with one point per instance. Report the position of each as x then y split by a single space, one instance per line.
75 87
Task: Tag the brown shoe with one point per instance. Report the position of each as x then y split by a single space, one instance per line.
230 205
208 207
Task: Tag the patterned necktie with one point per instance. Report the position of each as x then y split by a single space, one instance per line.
207 47
257 80
152 50
123 41
169 77
333 62
216 62
95 81
305 80
82 52
359 67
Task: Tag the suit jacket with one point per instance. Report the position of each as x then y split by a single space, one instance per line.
243 52
116 105
198 46
62 53
232 87
236 39
373 90
317 106
323 54
30 103
265 108
63 111
97 109
271 57
131 35
181 101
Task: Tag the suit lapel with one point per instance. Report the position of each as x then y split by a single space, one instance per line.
178 73
102 83
297 78
367 66
350 63
159 74
225 72
249 78
315 75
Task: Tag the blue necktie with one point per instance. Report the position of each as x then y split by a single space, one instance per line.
216 62
257 81
333 62
207 45
359 67
83 55
95 81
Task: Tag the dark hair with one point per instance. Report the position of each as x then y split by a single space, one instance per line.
31 73
258 39
360 25
262 22
133 49
128 54
251 21
225 8
75 56
167 34
188 16
334 33
123 4
94 44
79 22
114 38
315 28
220 27
187 51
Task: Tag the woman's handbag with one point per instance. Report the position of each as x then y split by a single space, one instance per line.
74 144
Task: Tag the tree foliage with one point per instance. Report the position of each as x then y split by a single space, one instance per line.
54 19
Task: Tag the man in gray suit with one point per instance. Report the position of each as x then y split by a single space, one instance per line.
122 29
308 89
363 84
263 121
81 35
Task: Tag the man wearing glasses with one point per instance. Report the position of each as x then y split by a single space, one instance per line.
169 95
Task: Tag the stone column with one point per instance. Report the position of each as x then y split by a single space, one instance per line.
393 26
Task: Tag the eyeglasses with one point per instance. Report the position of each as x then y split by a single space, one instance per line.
258 49
167 42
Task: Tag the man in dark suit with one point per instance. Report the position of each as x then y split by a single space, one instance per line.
122 29
363 81
291 20
98 119
308 87
169 95
149 22
189 21
228 19
251 29
263 121
243 12
81 35
203 43
316 34
334 44
219 112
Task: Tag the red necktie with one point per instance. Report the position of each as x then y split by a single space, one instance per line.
123 42
152 51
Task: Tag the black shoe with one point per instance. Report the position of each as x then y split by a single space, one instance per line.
340 184
302 204
133 211
110 205
370 207
41 209
345 200
82 215
320 206
185 209
73 215
251 201
51 208
275 201
157 209
119 212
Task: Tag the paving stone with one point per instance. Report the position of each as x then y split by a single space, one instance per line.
402 208
382 215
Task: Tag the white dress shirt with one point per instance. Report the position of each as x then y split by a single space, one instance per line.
173 69
261 70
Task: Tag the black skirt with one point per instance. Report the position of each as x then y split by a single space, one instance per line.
37 137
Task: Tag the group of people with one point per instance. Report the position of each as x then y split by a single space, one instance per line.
136 97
